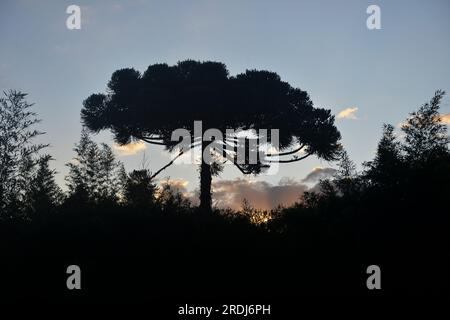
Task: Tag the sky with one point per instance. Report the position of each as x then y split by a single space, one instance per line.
366 77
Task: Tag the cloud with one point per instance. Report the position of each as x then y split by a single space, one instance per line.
260 194
130 149
317 174
445 118
349 113
402 124
177 186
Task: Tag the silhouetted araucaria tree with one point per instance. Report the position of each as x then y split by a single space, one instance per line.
152 105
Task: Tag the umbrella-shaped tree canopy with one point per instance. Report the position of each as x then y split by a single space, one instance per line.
152 105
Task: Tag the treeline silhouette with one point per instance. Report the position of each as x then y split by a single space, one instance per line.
132 238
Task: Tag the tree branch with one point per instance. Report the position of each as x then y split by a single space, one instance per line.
151 141
167 165
233 161
291 160
286 153
173 160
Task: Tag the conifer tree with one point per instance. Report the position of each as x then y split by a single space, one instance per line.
346 175
425 134
94 173
82 168
45 194
18 153
385 169
140 190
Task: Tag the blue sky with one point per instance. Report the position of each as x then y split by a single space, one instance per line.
323 47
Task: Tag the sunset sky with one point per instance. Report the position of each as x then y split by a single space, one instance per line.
366 77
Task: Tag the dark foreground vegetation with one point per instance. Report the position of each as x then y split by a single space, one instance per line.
132 239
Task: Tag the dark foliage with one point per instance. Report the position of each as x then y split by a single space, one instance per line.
148 242
18 153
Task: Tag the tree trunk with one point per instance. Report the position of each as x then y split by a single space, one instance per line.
205 184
